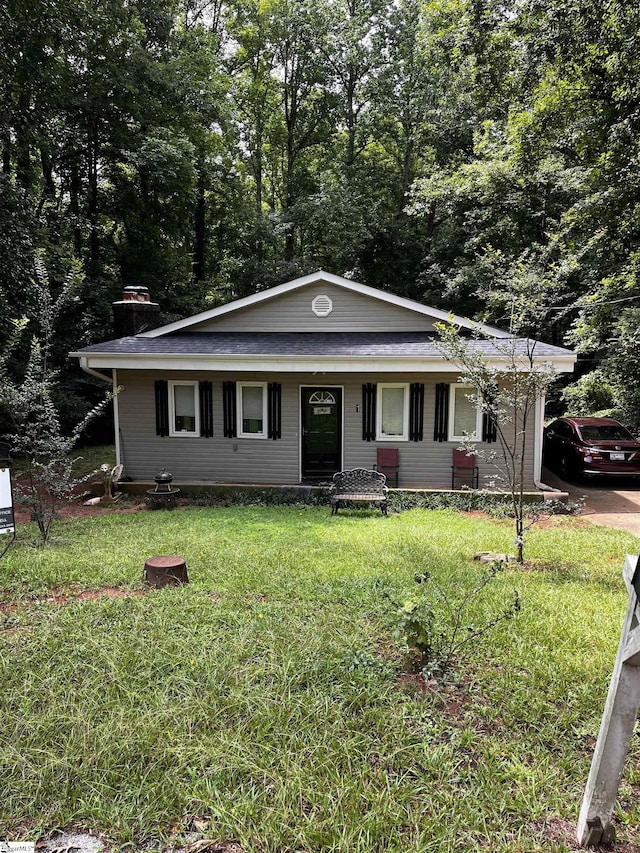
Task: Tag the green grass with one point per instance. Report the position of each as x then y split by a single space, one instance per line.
265 697
89 459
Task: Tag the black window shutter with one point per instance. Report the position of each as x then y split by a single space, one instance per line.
229 409
441 425
489 428
489 425
369 412
274 409
416 412
206 409
162 407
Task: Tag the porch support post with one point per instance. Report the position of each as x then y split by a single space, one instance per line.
616 729
116 419
538 417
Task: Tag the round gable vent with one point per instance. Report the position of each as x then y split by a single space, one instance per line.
322 306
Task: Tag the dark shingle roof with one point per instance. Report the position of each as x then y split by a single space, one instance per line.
338 344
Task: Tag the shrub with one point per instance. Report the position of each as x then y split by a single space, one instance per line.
592 394
438 626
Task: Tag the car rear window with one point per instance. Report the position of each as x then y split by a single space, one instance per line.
605 432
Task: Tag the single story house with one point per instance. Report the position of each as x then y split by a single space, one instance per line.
294 383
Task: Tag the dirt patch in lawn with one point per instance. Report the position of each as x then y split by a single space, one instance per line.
66 596
561 831
76 509
79 840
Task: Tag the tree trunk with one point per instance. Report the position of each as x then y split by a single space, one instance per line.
258 177
199 228
92 199
407 170
351 121
6 154
289 243
23 143
75 188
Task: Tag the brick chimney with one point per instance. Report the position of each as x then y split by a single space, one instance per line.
135 312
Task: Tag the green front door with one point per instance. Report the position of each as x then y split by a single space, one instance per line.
321 432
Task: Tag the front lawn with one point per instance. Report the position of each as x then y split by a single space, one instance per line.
265 701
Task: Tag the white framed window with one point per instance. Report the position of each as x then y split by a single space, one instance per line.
252 409
184 409
392 412
465 416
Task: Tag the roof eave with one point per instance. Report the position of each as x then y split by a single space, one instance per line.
300 364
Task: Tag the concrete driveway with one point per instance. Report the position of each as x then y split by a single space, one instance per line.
615 505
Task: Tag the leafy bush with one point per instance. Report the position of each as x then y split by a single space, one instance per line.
465 501
285 496
35 433
492 503
438 626
592 394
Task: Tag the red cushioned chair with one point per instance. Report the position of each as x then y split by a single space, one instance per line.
464 469
388 464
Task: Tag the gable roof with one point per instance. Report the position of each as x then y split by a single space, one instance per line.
321 276
195 344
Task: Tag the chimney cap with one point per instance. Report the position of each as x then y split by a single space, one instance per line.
136 293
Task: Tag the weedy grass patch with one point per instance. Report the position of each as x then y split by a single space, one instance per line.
267 701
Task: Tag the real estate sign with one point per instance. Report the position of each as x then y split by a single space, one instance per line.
7 523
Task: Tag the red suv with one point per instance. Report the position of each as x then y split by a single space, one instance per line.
575 447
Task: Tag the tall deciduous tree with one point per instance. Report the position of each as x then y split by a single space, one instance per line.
458 152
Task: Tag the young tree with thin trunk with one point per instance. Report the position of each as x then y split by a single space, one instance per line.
35 434
508 395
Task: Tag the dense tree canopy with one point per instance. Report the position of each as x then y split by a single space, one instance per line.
479 155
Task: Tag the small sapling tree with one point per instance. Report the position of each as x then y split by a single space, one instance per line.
440 625
35 434
508 395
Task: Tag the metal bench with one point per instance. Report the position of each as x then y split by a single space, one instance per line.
359 484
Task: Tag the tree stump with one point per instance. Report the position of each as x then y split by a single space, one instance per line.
165 570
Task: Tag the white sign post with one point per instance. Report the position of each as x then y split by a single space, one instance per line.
7 523
7 520
616 728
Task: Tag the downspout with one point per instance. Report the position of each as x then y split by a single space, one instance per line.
112 380
92 372
116 418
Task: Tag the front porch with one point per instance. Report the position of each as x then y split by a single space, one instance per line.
318 493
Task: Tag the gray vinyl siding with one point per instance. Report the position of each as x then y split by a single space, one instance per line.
292 312
425 464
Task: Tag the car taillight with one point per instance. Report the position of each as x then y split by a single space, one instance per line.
589 455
